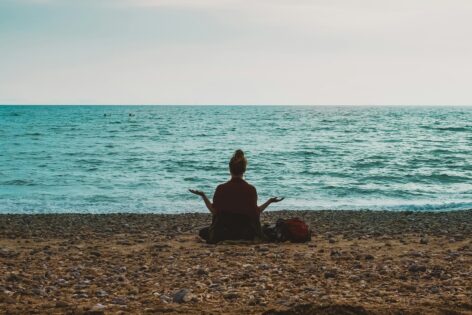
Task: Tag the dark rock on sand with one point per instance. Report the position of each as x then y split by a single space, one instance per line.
5 253
369 257
183 296
416 268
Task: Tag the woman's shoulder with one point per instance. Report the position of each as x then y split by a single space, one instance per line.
252 187
222 185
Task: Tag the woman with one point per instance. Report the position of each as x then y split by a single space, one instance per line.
234 208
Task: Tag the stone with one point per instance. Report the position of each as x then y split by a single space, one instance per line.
330 274
98 307
5 253
183 296
201 272
416 268
62 304
80 295
261 248
95 253
434 290
101 293
119 301
231 295
12 277
164 298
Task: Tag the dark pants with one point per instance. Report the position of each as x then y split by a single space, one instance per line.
230 226
205 233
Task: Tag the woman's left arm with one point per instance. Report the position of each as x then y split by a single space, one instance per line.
268 202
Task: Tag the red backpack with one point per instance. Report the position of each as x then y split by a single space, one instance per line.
293 230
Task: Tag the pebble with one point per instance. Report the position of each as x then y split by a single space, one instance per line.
119 301
183 296
201 272
5 253
231 295
330 274
95 253
416 268
62 304
369 257
13 277
101 293
98 307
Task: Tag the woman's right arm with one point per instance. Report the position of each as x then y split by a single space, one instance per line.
207 201
208 204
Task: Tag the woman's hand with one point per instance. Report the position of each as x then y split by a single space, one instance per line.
197 192
276 199
207 201
269 201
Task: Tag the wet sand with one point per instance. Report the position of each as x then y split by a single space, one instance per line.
358 262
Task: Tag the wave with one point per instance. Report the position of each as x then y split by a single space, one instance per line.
18 182
429 206
13 114
369 164
377 205
90 161
100 198
449 128
446 178
440 178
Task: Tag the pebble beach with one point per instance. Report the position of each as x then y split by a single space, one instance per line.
358 262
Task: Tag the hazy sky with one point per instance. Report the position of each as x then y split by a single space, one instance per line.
235 52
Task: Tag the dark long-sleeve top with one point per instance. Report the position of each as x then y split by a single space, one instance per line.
236 196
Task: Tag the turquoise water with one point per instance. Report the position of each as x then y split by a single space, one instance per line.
101 159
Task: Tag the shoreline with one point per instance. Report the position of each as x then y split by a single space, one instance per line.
205 211
369 262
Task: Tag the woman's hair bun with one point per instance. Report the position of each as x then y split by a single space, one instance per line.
238 163
238 154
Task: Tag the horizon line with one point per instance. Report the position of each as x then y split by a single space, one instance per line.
325 105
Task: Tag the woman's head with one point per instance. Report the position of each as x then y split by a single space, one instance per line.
238 163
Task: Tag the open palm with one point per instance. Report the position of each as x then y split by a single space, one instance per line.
276 199
197 192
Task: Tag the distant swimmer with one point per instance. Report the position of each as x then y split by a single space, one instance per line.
130 114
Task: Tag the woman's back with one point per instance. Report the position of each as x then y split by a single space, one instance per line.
236 196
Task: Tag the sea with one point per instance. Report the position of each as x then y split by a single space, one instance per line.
143 159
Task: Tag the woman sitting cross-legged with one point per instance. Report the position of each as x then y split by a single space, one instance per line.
234 208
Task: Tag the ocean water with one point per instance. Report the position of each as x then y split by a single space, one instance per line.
144 158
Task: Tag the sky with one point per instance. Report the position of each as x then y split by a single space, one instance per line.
310 52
